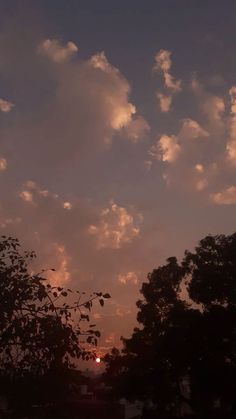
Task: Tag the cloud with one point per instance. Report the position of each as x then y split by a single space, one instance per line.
201 184
212 106
165 102
67 205
225 197
94 90
163 64
129 277
8 222
32 216
184 156
57 52
148 164
115 228
123 312
231 143
3 164
31 193
67 115
167 149
231 151
199 168
100 61
77 109
191 129
137 129
121 110
60 259
27 196
68 111
6 106
62 241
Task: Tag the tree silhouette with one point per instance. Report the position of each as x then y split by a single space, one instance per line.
182 358
43 328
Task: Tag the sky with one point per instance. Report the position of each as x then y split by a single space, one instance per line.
117 138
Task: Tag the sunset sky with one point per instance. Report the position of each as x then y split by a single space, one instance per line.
117 138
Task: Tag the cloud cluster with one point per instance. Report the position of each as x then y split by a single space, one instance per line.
71 116
31 193
76 134
201 158
78 108
169 147
68 237
91 105
116 227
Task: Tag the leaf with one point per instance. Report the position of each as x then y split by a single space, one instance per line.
101 301
88 305
106 295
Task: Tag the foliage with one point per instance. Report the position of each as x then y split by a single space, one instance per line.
42 327
183 355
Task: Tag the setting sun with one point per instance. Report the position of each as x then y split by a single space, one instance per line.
98 360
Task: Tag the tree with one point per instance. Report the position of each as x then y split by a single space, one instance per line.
183 355
42 327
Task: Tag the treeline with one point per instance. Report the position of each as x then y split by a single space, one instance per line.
181 360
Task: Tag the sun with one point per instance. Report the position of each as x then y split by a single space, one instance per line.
98 360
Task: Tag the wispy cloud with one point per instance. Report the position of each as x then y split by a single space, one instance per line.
163 64
56 51
165 101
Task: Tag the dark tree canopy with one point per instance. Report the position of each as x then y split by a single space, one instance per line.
43 328
182 357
